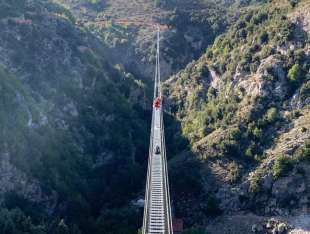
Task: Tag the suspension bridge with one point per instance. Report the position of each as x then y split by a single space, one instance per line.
157 209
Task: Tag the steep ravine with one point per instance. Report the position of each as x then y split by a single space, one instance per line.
74 115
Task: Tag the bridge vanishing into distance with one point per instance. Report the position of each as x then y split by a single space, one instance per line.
157 209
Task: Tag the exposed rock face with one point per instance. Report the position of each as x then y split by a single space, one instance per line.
271 226
257 85
250 223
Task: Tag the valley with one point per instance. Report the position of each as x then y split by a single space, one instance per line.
76 90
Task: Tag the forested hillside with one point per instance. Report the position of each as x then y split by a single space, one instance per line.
69 120
244 106
188 27
76 81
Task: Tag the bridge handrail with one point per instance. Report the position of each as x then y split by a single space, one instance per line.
148 181
170 228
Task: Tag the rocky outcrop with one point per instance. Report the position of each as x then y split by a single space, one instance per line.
251 223
258 85
271 226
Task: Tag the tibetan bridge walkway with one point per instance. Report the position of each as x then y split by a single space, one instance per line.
157 209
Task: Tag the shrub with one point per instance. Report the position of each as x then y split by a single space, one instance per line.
241 24
257 133
263 38
272 115
293 2
259 18
306 151
242 33
303 152
294 73
233 172
266 51
305 91
249 152
282 166
255 183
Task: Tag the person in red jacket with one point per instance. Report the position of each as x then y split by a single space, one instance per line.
157 102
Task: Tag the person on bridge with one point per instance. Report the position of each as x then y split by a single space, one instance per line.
157 102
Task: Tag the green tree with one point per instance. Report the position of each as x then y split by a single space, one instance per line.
294 73
257 133
272 115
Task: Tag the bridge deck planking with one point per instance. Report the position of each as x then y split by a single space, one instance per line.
157 211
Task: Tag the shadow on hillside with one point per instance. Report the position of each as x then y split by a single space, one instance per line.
189 194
